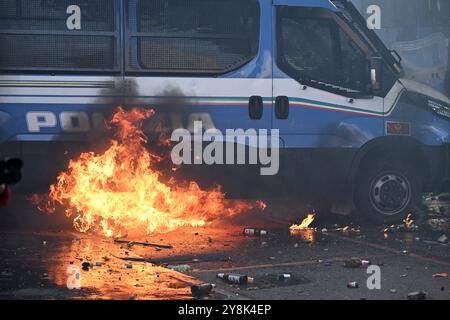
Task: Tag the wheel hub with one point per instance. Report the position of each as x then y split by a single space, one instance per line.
390 193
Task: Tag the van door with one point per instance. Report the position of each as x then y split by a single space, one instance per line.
321 81
322 105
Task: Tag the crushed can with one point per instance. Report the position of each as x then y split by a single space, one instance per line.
284 277
254 232
353 285
202 290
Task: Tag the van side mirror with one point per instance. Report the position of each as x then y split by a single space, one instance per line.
376 70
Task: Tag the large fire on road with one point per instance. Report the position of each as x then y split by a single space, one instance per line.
119 192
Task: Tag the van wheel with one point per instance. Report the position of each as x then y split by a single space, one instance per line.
387 192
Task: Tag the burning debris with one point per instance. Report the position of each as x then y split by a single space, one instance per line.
305 223
408 225
119 192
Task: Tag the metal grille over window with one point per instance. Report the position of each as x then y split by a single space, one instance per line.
58 35
193 36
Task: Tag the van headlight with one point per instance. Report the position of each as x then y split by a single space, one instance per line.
440 108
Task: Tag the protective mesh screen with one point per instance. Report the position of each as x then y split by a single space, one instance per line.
197 35
56 52
29 39
96 15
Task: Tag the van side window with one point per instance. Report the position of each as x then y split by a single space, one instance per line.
314 49
58 35
193 36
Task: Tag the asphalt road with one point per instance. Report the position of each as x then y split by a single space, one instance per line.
34 265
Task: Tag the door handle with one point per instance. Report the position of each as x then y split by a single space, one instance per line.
282 107
255 107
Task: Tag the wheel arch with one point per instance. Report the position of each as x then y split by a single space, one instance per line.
397 148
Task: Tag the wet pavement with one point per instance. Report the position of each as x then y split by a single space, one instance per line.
35 265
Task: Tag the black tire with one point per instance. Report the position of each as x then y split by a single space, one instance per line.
386 192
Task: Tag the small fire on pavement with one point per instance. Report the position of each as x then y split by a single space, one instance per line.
119 192
305 223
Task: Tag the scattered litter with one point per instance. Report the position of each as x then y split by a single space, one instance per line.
353 263
85 266
365 263
353 285
442 239
440 275
254 232
235 278
145 244
202 290
439 224
179 268
284 277
417 295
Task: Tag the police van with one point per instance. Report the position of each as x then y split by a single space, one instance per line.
353 132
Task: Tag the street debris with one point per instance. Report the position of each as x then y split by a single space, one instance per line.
179 268
85 266
202 290
417 295
440 275
408 225
235 278
284 277
356 263
353 285
254 232
145 244
442 239
365 263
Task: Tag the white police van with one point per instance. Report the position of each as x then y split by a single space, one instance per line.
353 132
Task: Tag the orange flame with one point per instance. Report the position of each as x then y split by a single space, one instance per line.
118 192
408 221
305 223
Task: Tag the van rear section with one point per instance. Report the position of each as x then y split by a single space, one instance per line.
350 130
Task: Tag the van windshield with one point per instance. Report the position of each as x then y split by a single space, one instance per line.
419 30
351 14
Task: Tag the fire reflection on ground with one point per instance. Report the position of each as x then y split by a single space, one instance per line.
35 265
